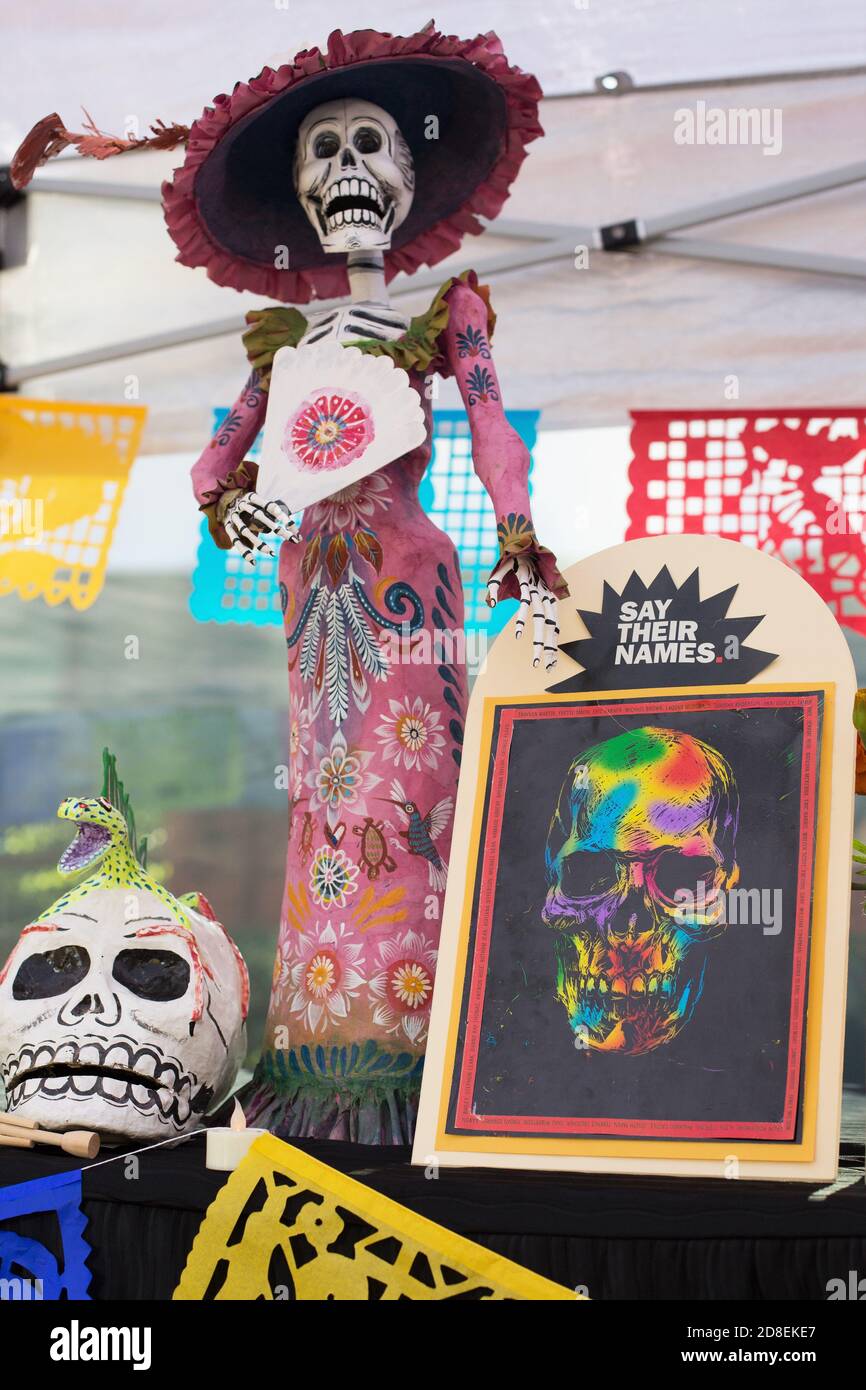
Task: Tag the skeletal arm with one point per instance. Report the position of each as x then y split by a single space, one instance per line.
224 482
526 570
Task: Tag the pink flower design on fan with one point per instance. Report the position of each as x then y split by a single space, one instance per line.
329 430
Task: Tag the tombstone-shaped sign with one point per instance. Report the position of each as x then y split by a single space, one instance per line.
644 944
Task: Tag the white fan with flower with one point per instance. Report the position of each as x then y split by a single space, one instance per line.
335 414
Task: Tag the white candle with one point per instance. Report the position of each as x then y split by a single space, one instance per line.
227 1146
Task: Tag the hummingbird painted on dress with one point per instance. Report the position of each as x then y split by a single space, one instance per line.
423 830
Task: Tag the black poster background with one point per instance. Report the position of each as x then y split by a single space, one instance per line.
730 1061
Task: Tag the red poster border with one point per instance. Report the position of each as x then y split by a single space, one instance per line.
465 1117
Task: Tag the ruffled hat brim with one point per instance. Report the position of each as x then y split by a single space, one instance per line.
232 206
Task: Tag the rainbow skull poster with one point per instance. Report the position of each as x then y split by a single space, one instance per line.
639 931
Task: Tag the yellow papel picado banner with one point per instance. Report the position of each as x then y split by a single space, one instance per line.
63 473
286 1226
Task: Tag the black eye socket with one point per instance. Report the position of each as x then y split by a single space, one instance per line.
51 972
152 974
677 872
586 873
367 140
326 144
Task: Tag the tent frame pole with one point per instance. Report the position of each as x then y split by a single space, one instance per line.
547 242
552 249
788 191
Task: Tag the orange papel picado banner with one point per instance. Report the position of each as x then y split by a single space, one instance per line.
286 1226
63 473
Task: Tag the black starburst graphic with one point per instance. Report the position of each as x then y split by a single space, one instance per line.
625 652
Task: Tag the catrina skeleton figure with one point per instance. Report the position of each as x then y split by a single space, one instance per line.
321 180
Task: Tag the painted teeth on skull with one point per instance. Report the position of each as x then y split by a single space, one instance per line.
174 1108
627 990
354 194
353 174
629 973
143 1076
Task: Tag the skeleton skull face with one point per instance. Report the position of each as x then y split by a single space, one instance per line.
353 175
640 851
116 1016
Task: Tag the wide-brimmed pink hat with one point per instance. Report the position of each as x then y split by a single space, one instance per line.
232 203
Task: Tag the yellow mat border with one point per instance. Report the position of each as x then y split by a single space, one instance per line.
802 1151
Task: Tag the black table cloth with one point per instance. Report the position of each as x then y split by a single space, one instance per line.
616 1237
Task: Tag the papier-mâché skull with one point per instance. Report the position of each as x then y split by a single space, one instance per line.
640 852
353 175
121 1007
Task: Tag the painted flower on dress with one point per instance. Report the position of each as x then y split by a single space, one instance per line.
402 987
340 780
282 969
299 732
326 976
332 877
411 734
351 506
296 788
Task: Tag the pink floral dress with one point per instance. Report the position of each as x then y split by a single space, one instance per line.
373 619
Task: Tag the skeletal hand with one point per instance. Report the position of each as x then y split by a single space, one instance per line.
535 599
250 518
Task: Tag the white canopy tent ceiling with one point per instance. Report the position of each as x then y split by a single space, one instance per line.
660 324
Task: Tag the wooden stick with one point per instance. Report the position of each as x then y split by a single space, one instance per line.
17 1120
19 1130
80 1143
9 1141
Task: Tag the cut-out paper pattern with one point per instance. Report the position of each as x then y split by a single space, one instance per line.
31 1269
791 483
288 1227
224 587
454 497
226 590
63 473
